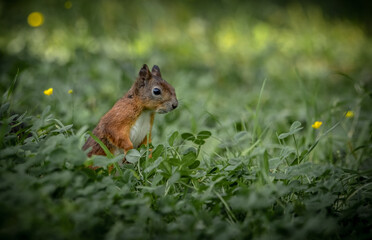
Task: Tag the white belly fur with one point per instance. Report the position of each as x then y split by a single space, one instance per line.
140 129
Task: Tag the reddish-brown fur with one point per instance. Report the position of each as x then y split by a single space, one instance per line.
114 128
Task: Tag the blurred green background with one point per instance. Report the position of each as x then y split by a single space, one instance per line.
315 56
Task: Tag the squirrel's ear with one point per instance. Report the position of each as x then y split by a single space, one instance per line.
156 71
144 73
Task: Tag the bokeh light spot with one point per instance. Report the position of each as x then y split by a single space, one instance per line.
68 4
35 19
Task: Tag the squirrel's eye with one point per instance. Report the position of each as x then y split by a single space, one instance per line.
156 91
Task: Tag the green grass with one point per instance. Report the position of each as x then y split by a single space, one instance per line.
239 158
264 191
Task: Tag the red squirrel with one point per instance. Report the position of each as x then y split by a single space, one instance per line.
128 123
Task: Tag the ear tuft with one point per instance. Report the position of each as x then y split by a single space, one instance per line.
144 73
156 71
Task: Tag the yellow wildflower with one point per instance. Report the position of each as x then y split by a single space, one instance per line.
70 91
317 124
35 19
349 114
48 92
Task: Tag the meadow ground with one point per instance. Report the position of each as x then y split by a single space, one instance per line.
272 138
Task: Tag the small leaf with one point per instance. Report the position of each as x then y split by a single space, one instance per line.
62 129
294 126
242 135
158 151
190 149
174 178
204 135
231 167
81 131
102 161
194 164
173 137
213 170
283 135
199 141
173 161
133 156
188 136
235 161
188 158
154 165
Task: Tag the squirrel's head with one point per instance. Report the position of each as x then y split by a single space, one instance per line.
154 92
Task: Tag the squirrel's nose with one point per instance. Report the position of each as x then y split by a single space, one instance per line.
174 105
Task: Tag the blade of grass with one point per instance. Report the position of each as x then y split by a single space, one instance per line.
228 210
357 190
258 107
102 145
106 150
10 90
